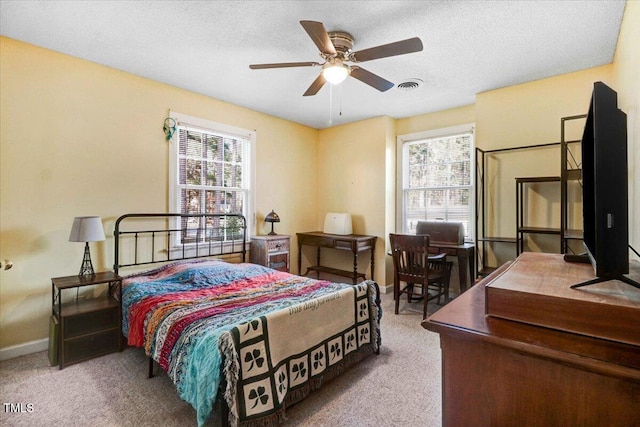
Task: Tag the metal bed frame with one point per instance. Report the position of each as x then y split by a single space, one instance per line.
179 238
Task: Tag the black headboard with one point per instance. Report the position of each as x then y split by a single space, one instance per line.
149 238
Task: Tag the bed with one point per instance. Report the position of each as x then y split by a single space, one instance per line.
240 341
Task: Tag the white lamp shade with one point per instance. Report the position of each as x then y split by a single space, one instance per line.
86 229
335 73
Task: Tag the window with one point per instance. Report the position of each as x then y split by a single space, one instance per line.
436 173
211 172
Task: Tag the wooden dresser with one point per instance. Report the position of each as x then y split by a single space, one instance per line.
501 372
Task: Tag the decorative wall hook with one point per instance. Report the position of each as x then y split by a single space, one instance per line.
169 127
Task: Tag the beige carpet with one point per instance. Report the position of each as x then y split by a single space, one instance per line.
399 387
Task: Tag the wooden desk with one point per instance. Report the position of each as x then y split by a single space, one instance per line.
355 243
501 372
466 259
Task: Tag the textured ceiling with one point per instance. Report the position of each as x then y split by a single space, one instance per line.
207 46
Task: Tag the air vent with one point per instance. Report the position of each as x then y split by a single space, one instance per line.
410 84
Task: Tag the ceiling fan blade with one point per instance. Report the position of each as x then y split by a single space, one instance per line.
392 49
316 85
283 65
371 79
319 36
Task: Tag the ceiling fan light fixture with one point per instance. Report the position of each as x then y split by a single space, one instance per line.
335 73
336 48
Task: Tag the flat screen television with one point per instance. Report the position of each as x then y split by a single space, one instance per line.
605 188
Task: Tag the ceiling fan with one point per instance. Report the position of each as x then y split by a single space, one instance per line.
335 48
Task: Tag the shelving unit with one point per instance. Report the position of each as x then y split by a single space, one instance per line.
485 270
482 240
522 228
569 172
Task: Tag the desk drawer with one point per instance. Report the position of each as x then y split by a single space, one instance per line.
344 244
278 245
324 242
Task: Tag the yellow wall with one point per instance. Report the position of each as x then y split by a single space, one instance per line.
82 139
390 198
352 166
530 113
437 120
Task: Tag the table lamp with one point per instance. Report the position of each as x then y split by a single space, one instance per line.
272 217
86 229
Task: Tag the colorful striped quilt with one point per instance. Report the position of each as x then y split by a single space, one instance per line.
179 312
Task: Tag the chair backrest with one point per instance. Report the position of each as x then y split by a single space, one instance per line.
410 254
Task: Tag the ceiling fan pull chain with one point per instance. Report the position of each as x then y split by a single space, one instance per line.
330 105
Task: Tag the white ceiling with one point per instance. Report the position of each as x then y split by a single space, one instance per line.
207 46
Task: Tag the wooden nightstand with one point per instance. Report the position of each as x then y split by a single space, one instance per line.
87 327
271 251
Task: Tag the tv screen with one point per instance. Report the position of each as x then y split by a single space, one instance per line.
605 186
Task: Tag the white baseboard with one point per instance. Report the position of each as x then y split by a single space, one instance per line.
22 349
386 289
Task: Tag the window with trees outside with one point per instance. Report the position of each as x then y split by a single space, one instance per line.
435 171
211 172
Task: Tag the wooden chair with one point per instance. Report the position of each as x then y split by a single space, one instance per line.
413 265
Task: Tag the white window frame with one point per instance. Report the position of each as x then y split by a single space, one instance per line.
402 177
249 166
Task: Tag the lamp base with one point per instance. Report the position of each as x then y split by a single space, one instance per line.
272 233
86 269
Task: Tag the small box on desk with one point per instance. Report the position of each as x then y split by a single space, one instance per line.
535 289
338 223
